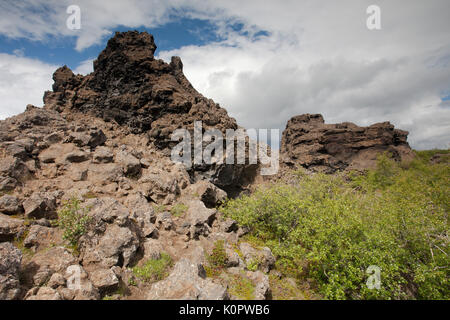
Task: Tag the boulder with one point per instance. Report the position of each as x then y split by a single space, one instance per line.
42 237
262 286
14 168
112 238
43 293
104 280
76 157
10 228
187 282
199 218
45 263
10 260
79 286
130 164
10 205
103 155
56 280
264 257
152 249
52 138
40 205
207 192
93 138
142 212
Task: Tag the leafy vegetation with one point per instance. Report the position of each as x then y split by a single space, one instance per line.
289 289
331 228
178 209
253 265
159 208
154 269
217 260
241 287
73 219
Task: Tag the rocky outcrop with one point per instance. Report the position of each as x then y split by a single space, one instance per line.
131 88
308 142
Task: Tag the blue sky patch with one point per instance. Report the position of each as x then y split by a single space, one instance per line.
61 50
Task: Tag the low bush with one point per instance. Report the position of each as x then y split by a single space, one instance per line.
73 219
217 260
154 269
331 228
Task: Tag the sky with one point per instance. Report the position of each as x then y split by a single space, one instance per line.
264 61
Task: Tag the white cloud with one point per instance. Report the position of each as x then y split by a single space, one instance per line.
85 67
318 56
23 81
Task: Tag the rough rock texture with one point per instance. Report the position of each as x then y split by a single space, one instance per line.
187 282
44 264
307 141
10 259
10 228
132 88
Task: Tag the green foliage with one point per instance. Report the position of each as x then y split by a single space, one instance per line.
154 269
253 265
178 209
159 208
73 219
287 289
18 242
132 282
428 154
331 228
241 287
89 195
217 260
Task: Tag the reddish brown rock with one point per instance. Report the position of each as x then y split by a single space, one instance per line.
308 142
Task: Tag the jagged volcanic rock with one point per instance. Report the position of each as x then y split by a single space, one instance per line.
132 88
309 142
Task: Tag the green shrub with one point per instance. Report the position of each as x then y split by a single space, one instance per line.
241 287
217 260
253 265
73 219
159 208
331 228
154 269
178 209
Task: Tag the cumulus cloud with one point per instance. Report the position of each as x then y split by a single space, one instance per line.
313 56
85 67
22 81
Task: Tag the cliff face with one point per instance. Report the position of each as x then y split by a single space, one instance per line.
309 142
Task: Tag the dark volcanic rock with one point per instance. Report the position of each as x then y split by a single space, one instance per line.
132 88
309 142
